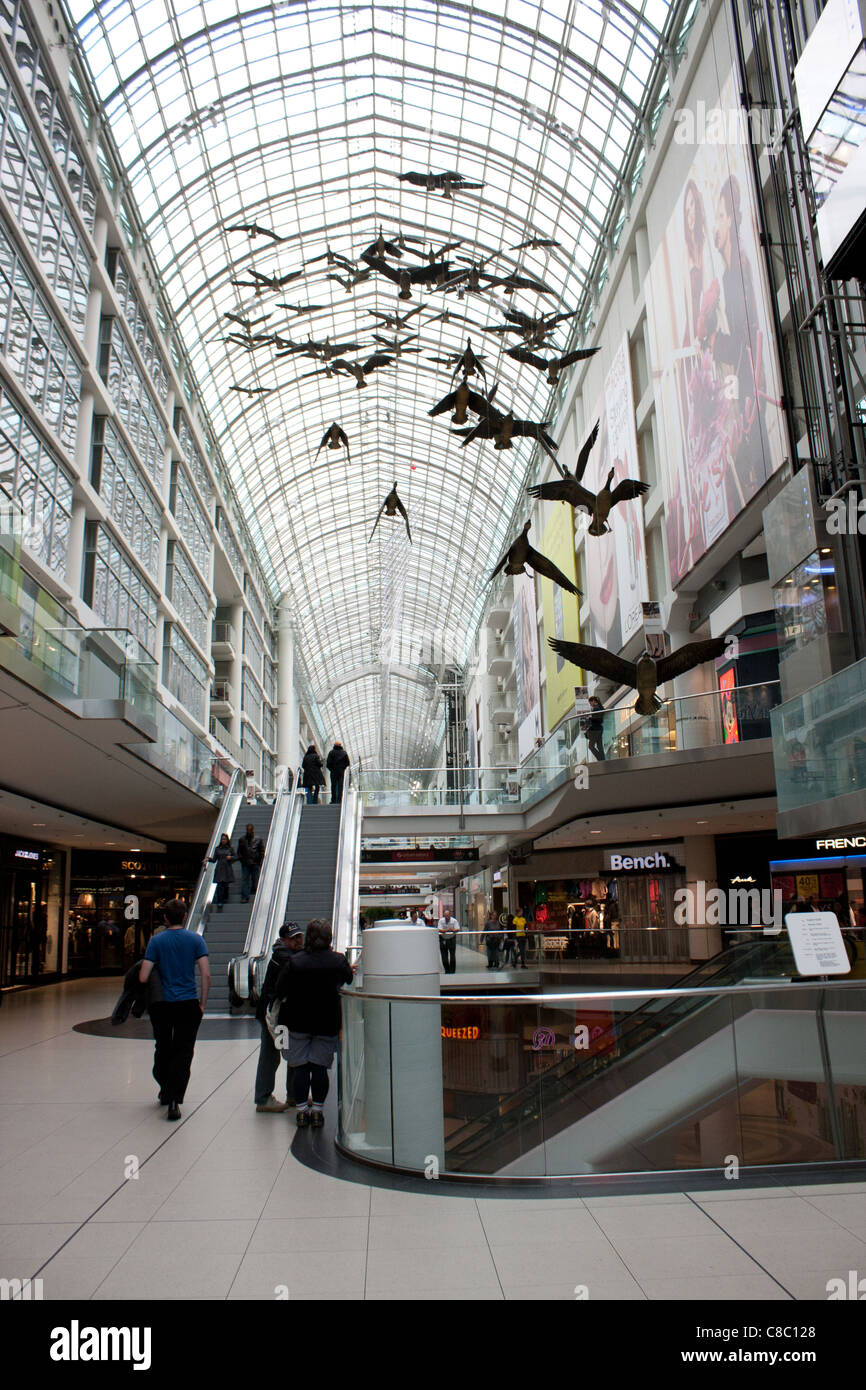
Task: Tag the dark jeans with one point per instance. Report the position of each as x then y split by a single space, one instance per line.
222 894
269 1065
310 1078
448 952
249 880
337 786
492 956
520 945
175 1026
312 795
595 745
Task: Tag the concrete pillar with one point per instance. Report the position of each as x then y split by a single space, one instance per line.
287 704
700 857
403 1047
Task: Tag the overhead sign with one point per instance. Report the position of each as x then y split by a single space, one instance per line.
424 855
33 854
816 940
640 858
842 842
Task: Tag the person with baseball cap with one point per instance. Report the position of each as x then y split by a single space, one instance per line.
289 941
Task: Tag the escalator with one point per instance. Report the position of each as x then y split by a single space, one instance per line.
225 929
629 1051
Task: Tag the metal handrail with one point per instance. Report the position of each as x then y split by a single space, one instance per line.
347 875
225 822
545 1000
271 893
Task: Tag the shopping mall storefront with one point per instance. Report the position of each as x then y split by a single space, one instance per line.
116 901
612 903
32 887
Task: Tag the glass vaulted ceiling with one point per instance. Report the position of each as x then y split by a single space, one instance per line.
298 117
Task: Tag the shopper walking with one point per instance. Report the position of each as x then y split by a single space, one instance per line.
519 924
338 761
309 986
448 929
312 775
223 856
176 1017
290 941
251 853
509 949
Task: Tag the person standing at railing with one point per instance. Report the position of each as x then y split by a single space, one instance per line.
223 856
251 853
338 762
312 775
448 929
594 728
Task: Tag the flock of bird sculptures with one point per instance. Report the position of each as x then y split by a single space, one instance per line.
470 276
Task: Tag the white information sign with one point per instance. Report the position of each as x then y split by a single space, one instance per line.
816 939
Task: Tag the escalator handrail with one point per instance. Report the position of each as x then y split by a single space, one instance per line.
267 893
196 919
260 944
347 868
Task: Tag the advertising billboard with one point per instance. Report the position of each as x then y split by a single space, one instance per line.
616 561
715 377
560 614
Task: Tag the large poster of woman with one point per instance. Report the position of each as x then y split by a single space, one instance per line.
715 376
526 662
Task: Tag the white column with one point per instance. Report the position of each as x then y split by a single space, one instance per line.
403 1047
287 704
700 857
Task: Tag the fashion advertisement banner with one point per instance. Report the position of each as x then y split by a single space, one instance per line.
526 663
560 614
616 561
714 370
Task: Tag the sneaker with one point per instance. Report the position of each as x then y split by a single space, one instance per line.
302 1119
318 1119
271 1106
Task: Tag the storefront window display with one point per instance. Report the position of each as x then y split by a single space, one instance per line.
31 911
116 904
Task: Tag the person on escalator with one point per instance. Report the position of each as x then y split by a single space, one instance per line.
290 940
251 853
309 987
312 775
223 856
338 761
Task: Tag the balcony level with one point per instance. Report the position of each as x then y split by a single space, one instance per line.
819 750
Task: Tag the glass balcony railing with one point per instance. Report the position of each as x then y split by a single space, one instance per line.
819 740
628 1081
718 718
70 663
181 754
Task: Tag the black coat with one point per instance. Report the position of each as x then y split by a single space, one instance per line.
136 997
223 856
309 985
338 761
280 954
252 851
311 771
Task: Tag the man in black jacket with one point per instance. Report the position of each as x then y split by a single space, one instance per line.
338 761
251 852
290 940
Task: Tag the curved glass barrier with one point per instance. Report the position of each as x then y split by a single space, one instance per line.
562 1085
247 971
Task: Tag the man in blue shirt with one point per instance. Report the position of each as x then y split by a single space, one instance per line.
176 1017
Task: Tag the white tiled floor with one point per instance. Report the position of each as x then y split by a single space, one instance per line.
222 1210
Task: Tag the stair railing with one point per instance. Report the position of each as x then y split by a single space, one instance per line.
199 908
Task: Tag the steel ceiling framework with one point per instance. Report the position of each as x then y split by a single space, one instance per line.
299 116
